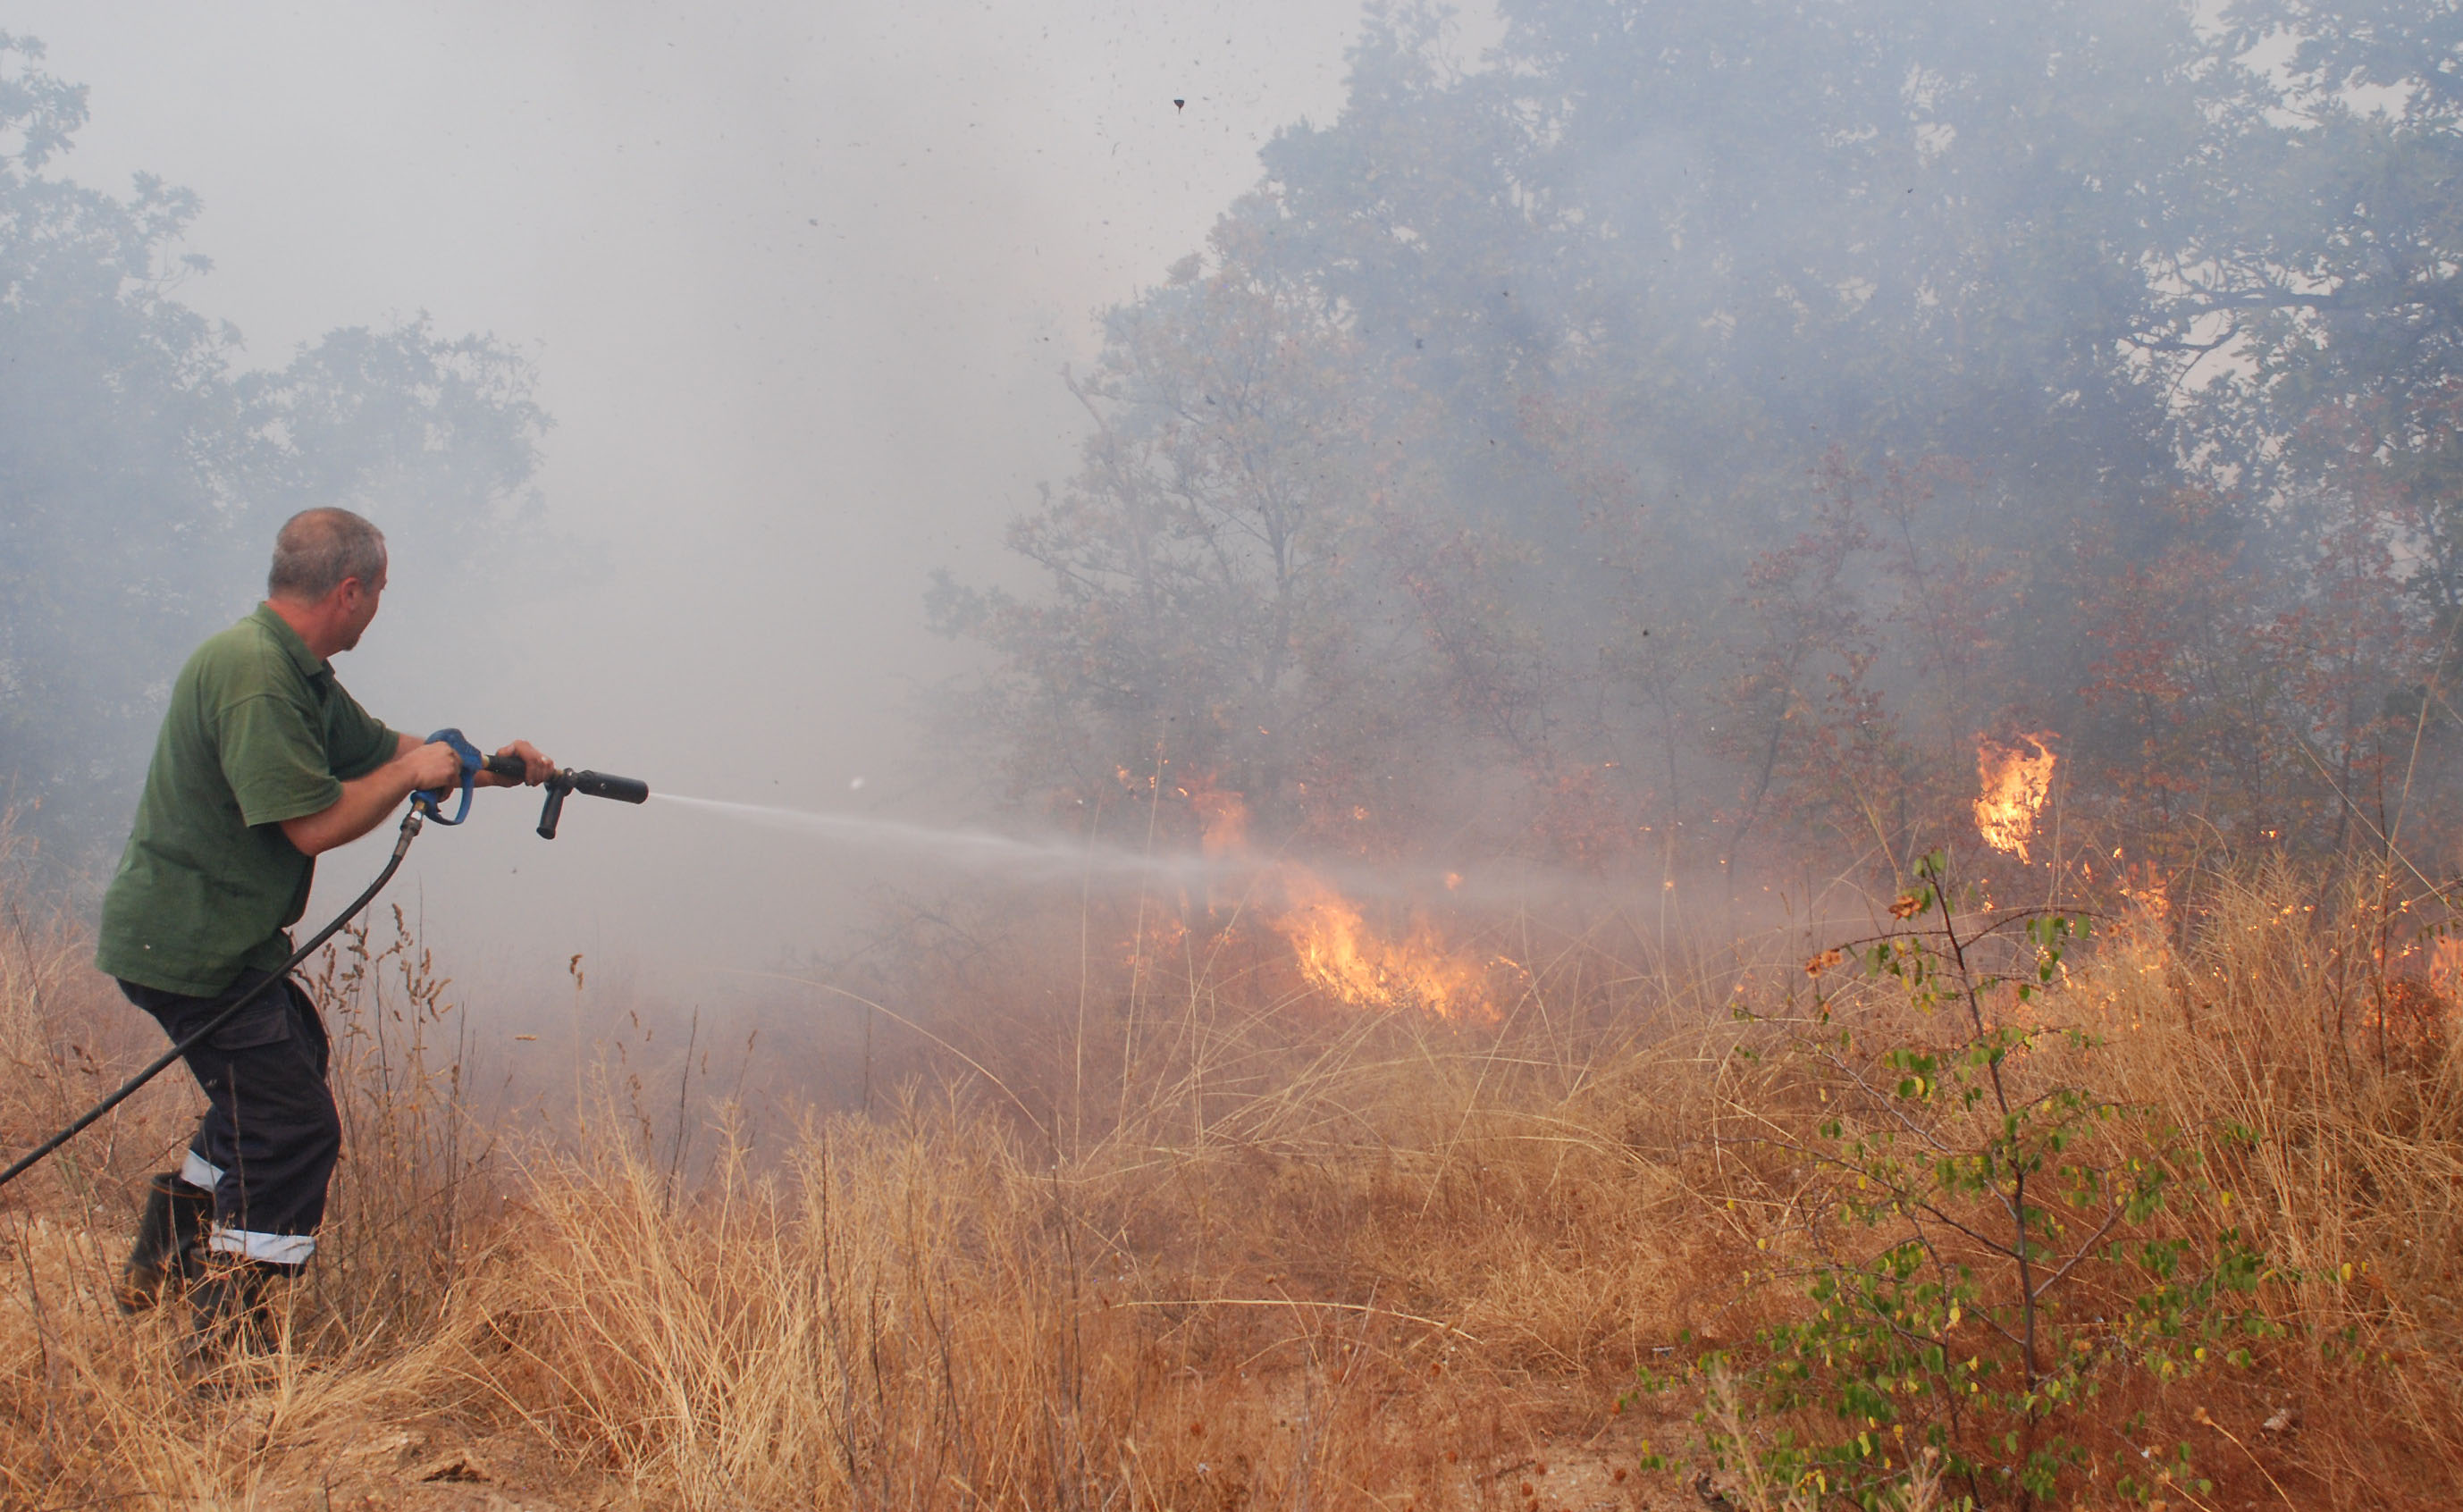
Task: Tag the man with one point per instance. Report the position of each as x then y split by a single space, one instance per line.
263 763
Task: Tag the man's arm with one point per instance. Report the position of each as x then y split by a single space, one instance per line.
366 800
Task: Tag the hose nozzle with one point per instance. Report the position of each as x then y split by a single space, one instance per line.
590 784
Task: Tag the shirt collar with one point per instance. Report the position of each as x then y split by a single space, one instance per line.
309 663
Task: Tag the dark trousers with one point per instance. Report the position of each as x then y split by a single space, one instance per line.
270 1133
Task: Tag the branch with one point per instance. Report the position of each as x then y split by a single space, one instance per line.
2070 1264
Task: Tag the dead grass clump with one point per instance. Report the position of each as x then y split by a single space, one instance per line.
414 1196
919 1312
1196 1238
91 1404
66 1039
2344 1165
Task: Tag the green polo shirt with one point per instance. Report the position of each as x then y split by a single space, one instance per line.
258 732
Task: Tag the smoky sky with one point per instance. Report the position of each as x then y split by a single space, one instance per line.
798 281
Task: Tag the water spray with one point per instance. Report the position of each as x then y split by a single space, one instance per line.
1056 857
426 806
982 849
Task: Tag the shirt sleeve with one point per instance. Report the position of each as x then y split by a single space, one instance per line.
361 742
273 758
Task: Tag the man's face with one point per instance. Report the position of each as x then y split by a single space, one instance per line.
359 598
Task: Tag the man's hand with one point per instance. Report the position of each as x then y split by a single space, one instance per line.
430 766
536 768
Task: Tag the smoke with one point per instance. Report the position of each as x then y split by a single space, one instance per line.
1660 457
799 284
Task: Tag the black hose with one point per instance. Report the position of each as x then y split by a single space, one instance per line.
128 1089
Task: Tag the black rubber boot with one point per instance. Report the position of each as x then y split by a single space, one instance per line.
231 1312
169 1252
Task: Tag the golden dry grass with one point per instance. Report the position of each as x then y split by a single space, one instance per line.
1202 1244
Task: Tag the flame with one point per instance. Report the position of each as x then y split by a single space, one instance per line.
2014 787
1331 942
1339 953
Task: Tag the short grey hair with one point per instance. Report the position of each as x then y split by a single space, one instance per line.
318 549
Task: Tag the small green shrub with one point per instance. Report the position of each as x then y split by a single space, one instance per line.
1984 1239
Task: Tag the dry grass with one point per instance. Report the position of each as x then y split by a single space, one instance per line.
1197 1241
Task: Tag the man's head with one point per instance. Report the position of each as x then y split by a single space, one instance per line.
329 570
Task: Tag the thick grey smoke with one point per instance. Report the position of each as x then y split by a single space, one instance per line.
1685 447
798 282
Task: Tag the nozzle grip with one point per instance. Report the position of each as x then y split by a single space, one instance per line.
508 767
558 786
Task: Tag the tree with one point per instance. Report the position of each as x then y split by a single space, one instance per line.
142 471
1757 402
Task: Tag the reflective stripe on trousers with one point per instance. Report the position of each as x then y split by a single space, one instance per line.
269 1135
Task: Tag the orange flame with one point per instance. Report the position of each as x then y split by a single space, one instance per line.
2014 787
1331 942
1340 954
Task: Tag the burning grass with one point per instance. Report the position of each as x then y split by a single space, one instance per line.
1203 1235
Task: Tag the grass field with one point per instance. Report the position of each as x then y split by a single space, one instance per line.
1174 1235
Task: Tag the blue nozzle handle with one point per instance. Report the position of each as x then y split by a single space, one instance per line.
430 800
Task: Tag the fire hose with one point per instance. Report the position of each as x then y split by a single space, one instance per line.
425 804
